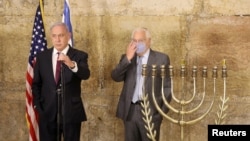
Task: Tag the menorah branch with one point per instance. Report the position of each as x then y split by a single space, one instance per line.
184 109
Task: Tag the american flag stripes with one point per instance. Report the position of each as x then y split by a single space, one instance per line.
38 44
66 19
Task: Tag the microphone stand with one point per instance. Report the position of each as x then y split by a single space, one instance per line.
63 97
58 114
60 104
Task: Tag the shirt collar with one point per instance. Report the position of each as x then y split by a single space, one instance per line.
145 55
64 51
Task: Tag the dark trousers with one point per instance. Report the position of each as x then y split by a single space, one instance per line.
135 126
48 132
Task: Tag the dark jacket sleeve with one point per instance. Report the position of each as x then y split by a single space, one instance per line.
118 74
82 63
36 87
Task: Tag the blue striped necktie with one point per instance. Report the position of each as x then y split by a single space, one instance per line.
138 88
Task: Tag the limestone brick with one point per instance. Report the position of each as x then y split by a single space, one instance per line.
203 32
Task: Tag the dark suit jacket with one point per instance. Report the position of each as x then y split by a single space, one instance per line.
44 87
126 72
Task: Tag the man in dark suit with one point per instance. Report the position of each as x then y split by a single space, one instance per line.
68 107
129 71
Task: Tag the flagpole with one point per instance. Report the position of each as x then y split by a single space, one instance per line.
42 11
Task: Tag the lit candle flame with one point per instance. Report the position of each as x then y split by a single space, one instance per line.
224 62
182 62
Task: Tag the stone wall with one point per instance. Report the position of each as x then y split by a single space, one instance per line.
203 32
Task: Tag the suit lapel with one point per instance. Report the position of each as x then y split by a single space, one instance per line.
67 72
70 52
134 61
50 64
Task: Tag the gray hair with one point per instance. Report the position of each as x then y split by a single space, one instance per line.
59 24
148 36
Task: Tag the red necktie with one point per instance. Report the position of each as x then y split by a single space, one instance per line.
58 68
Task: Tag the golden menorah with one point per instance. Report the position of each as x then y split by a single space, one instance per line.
182 102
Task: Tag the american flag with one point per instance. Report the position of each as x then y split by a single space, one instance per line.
66 19
38 44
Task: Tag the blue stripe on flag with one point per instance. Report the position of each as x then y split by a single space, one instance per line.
66 19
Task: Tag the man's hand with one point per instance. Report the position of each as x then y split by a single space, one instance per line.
131 50
66 60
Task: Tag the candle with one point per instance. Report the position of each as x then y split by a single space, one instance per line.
224 69
204 72
194 72
171 73
214 72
